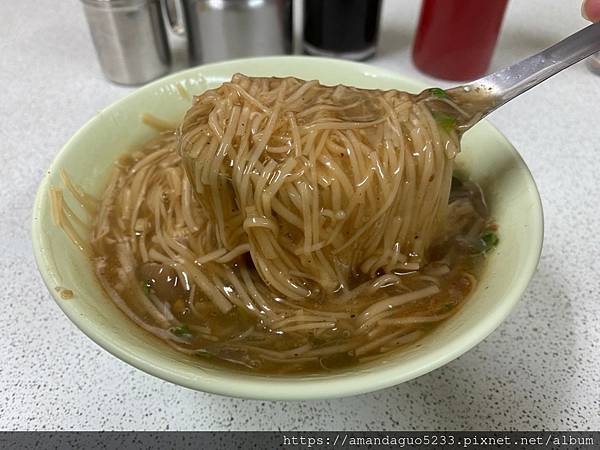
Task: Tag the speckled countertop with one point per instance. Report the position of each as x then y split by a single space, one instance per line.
540 369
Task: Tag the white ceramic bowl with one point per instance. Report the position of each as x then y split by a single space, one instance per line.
489 158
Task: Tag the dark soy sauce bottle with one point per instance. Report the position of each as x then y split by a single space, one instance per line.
341 28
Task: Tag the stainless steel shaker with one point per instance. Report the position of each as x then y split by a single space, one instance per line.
225 29
130 39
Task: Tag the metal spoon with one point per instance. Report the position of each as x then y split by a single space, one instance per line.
480 97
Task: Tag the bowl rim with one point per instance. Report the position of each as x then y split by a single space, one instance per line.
246 386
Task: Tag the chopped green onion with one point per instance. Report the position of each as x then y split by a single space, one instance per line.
181 330
448 306
490 239
438 92
486 242
445 120
147 285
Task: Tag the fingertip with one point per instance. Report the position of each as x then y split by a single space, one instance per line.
590 10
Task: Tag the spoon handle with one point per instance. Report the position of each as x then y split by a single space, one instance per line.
507 83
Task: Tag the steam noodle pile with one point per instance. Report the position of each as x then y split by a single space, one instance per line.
318 183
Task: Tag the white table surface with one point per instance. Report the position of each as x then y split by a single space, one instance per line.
540 369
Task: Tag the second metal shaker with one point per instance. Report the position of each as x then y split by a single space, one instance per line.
225 29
